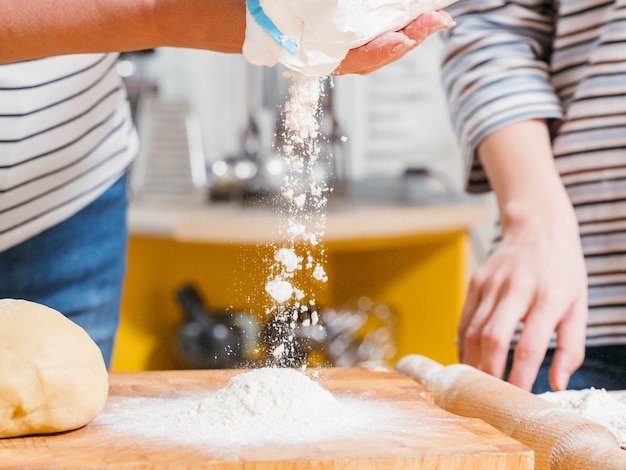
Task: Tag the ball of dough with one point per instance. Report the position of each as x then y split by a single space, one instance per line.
52 374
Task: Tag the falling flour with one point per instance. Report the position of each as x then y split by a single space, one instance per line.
278 406
605 408
299 259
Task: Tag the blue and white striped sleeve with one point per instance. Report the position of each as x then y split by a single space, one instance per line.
496 71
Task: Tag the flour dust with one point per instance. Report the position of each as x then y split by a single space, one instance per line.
266 406
297 269
605 408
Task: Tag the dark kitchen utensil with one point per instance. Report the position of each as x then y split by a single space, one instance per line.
206 339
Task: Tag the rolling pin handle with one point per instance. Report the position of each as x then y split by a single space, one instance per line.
420 368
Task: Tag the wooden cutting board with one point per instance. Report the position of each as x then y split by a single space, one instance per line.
436 439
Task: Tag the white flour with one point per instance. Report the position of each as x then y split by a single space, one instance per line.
608 409
300 259
276 406
256 401
279 289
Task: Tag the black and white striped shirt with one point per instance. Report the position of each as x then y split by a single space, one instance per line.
66 135
513 60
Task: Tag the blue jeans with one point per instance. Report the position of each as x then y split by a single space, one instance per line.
603 367
76 267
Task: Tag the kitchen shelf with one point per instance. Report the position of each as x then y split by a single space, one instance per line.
413 258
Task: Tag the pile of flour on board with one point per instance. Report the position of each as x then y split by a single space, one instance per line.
299 260
606 408
278 406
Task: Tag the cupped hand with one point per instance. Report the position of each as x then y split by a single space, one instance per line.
391 46
536 276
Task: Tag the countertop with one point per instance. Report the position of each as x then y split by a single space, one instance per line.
236 223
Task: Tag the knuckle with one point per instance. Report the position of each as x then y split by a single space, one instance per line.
485 274
491 285
547 297
525 353
521 282
477 280
493 340
472 335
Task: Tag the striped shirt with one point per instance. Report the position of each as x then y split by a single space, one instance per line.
66 135
513 60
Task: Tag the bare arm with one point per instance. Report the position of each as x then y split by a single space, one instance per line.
39 28
537 273
32 29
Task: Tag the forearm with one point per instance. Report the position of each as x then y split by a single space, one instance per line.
32 29
520 166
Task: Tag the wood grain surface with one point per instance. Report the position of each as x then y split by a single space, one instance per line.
436 439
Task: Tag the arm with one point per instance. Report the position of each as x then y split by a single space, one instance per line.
38 28
496 72
498 83
537 274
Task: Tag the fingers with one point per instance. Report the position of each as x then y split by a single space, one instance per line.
489 323
427 24
496 303
531 347
474 317
377 53
391 46
570 347
498 333
493 309
550 314
472 301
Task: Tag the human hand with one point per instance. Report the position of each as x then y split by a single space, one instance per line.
536 276
391 46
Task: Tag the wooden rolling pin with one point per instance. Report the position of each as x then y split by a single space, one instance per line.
560 438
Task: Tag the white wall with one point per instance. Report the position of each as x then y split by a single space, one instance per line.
214 84
397 116
393 118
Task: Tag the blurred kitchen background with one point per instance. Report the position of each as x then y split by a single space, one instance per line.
402 236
